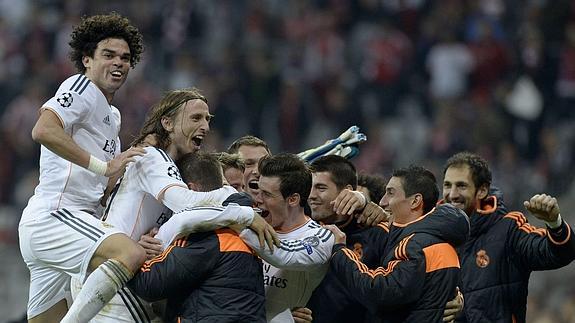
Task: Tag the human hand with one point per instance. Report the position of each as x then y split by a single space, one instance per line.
118 164
372 215
301 314
543 207
453 307
266 233
152 245
348 201
338 234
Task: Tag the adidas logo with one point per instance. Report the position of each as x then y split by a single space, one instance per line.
107 120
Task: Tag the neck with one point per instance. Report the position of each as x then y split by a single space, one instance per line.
294 220
407 218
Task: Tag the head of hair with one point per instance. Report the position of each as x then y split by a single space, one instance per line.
230 161
247 140
480 172
294 175
374 184
169 106
202 169
342 172
416 179
93 29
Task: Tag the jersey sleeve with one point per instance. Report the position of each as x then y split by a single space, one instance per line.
313 250
70 107
540 249
202 219
156 172
399 282
180 267
179 199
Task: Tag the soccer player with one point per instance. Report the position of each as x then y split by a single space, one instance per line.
251 149
212 276
332 177
234 168
503 248
419 271
78 130
151 187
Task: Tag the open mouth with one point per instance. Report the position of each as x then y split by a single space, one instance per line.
253 185
117 74
197 140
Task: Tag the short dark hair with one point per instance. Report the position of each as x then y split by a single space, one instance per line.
342 172
202 169
293 173
416 179
247 140
480 172
374 184
230 161
93 29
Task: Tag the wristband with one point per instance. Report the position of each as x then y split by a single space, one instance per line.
97 166
555 224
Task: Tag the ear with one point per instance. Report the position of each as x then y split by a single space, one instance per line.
167 124
86 60
417 202
293 200
349 187
482 192
194 186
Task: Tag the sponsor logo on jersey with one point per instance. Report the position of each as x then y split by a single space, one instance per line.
65 99
107 120
482 259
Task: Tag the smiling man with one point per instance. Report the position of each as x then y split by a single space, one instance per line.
251 149
503 248
419 271
78 130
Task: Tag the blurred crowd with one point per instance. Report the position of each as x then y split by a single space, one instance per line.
423 79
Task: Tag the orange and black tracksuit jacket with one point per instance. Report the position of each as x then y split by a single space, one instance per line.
205 277
496 261
418 273
331 301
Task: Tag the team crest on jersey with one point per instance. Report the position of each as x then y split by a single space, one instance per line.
65 99
358 250
309 243
174 172
482 259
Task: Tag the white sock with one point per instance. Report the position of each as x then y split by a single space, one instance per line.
98 290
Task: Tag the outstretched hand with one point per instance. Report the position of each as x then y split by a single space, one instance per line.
543 207
118 164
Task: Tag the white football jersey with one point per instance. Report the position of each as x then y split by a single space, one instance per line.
134 207
94 125
303 258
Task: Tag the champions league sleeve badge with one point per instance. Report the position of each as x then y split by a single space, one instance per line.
65 99
309 243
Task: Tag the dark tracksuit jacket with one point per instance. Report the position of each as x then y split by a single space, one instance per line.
206 277
418 274
497 260
331 301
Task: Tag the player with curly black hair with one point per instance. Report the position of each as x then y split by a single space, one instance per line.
60 233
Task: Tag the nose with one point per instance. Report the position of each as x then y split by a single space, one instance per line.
452 193
383 202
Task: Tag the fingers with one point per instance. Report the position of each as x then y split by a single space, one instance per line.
302 314
543 206
152 246
348 201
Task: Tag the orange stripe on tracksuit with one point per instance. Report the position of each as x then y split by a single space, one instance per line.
440 256
230 241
